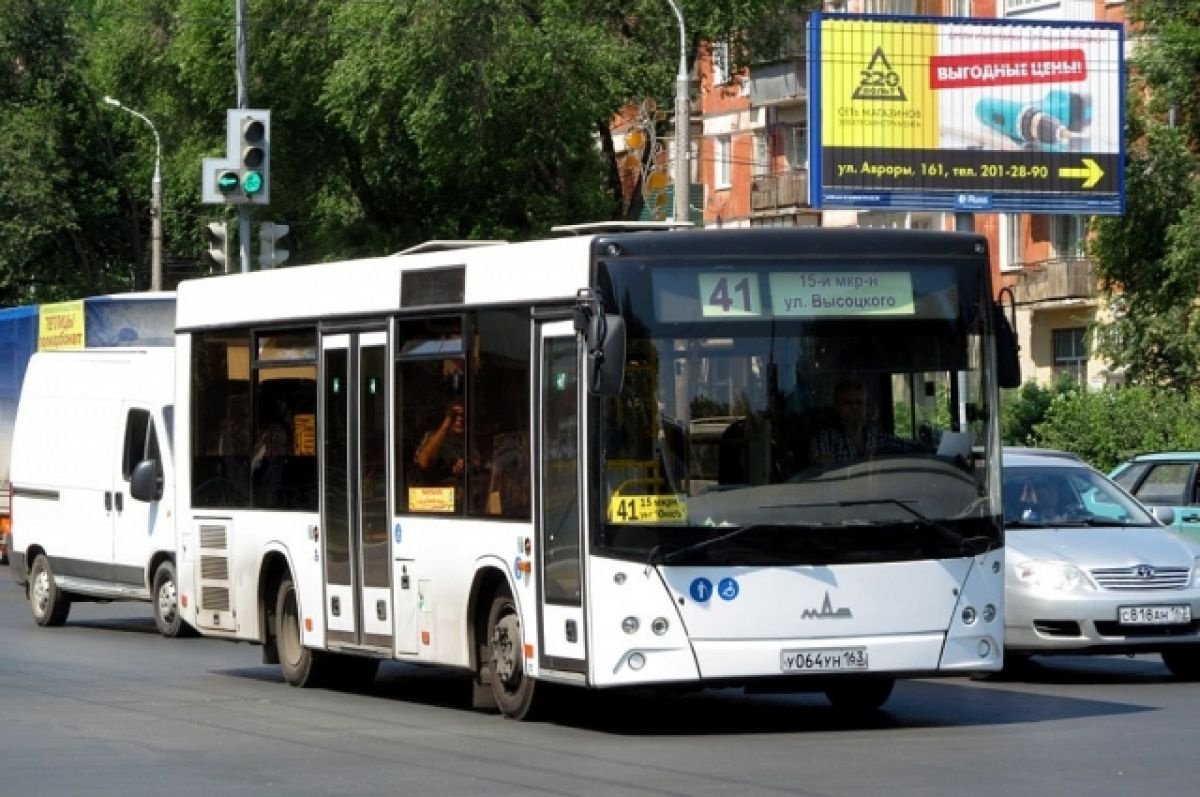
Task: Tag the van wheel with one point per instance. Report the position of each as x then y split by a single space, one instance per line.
50 604
166 603
864 695
515 693
302 667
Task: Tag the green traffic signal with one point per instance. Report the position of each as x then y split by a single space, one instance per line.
252 183
227 182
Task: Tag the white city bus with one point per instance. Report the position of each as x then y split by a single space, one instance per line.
637 497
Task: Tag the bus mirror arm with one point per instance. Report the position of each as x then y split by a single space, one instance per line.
604 340
1008 363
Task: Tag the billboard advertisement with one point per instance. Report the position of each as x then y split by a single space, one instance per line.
970 115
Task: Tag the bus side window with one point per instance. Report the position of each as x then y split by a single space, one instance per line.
498 421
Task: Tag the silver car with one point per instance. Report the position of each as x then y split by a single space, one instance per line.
1090 570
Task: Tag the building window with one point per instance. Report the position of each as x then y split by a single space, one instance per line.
1010 256
960 8
795 145
1016 6
1069 235
720 64
762 156
1070 353
721 161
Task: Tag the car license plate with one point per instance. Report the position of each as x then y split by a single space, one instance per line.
823 660
1155 615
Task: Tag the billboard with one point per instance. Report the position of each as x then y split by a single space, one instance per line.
971 115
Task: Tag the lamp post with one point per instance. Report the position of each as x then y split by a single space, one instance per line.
155 199
682 175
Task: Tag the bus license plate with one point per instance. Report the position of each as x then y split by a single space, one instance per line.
1155 615
823 660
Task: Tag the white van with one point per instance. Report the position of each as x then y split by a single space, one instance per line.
92 497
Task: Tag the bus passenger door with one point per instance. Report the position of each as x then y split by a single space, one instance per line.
354 465
559 513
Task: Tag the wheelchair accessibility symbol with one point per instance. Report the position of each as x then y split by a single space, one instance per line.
728 589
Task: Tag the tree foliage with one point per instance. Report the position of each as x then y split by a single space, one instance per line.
1108 426
1149 259
392 122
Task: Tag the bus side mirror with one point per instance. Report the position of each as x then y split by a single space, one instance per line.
146 481
606 354
1008 363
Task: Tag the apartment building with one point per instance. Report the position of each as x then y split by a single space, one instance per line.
749 133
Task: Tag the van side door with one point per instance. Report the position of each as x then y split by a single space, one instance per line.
135 522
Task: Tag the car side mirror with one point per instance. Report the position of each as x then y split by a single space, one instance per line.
1163 514
146 481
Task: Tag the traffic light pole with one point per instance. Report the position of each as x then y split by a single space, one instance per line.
243 82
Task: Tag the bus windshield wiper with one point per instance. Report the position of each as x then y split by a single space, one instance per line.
944 533
658 557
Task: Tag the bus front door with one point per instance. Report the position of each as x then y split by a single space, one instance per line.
559 514
354 513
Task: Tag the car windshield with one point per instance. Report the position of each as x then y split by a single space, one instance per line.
1067 494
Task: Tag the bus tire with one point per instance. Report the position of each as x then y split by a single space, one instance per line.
302 667
165 599
514 691
50 604
861 695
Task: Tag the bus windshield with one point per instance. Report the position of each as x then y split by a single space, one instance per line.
774 412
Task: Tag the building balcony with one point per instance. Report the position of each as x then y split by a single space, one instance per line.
779 192
776 83
1056 280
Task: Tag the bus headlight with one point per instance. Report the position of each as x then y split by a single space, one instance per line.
630 625
659 626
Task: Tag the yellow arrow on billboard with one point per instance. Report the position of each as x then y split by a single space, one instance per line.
1090 173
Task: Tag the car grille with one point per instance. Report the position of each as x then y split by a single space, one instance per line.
1142 577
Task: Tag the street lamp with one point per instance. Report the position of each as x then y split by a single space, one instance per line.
682 175
155 199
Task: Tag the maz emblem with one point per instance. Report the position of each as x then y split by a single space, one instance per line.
826 612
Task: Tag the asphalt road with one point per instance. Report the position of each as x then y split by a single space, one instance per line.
104 706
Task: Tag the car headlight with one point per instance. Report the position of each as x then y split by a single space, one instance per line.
1051 575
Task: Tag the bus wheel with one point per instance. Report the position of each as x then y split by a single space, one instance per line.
513 691
50 605
166 603
301 666
864 695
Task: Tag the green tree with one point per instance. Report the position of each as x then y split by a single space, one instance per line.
61 219
1108 426
392 122
1023 409
1149 259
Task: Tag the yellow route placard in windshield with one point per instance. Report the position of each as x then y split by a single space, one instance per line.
647 508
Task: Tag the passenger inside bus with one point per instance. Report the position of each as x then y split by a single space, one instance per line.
440 455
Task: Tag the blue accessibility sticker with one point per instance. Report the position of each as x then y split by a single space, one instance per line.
728 589
701 590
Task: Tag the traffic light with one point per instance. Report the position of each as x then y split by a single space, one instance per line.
254 128
270 253
216 239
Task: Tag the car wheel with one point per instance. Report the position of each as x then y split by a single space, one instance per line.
1183 662
166 603
861 695
514 692
50 604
